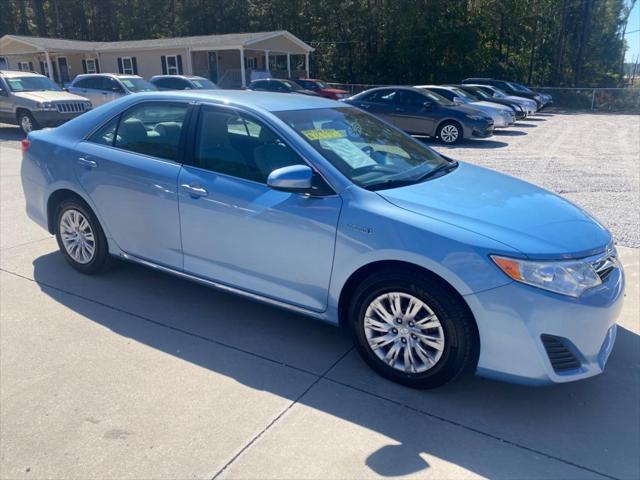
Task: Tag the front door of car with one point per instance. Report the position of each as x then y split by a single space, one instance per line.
414 113
109 90
131 176
238 231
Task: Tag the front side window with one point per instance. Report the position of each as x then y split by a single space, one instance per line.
236 145
23 66
152 129
382 96
366 150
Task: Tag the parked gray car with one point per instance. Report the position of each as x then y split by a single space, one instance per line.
420 112
32 101
102 88
502 116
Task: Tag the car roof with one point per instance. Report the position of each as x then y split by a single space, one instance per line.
446 87
189 77
269 101
18 73
113 75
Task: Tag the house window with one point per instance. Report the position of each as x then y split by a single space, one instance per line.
4 63
127 65
91 65
250 62
23 66
172 65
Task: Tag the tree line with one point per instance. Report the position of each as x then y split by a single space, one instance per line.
539 42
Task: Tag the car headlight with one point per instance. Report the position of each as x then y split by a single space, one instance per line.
537 97
46 106
566 277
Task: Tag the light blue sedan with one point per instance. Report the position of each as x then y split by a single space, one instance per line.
435 266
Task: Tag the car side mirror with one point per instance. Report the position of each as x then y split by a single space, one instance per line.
295 178
457 100
427 105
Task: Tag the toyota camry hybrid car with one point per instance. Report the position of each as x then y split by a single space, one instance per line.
435 266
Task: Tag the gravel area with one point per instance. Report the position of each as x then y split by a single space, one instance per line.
591 159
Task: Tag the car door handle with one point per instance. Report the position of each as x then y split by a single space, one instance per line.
87 163
194 191
398 109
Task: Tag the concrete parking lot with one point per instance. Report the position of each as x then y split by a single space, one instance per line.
137 374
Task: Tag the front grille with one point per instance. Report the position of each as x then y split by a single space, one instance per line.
71 107
605 264
561 357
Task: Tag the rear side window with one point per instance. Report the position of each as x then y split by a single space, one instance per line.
84 83
106 134
152 129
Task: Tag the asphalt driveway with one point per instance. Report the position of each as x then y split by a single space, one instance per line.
137 374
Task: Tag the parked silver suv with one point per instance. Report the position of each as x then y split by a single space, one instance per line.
102 88
32 101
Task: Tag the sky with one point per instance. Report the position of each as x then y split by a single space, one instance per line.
633 39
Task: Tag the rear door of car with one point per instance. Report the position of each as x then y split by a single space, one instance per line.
129 168
238 231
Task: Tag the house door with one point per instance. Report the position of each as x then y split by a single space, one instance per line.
64 69
213 66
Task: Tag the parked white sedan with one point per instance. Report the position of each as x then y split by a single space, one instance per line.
102 88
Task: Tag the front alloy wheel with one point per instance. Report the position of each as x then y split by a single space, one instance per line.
27 122
404 332
450 133
413 328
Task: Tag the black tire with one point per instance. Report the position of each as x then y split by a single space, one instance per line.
460 350
100 259
24 114
450 124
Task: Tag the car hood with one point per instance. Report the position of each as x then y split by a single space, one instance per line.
490 106
49 96
538 223
520 100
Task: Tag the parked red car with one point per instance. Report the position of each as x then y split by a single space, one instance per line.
322 88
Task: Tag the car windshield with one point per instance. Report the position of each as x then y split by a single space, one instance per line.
138 85
481 94
203 84
311 84
291 85
31 84
467 96
367 151
497 92
520 88
434 97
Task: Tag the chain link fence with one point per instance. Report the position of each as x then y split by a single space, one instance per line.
595 99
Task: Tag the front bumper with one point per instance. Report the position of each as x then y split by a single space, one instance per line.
513 319
484 130
52 118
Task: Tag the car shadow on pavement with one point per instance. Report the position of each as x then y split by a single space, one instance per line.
519 124
10 134
471 143
509 133
592 424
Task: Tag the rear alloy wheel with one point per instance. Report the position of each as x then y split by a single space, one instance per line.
80 238
27 122
412 329
450 133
